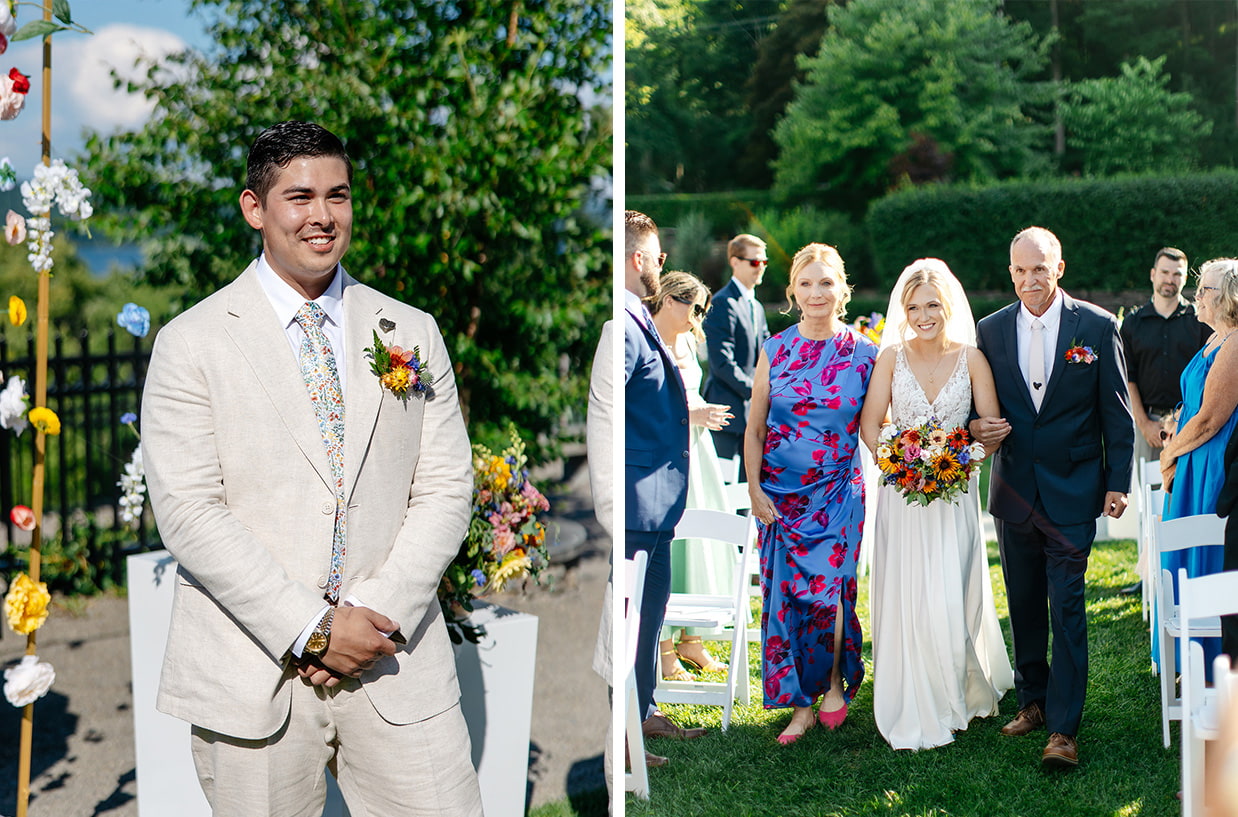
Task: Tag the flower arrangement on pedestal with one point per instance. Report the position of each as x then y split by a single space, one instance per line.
506 540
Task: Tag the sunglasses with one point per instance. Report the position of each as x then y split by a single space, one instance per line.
698 311
661 257
755 262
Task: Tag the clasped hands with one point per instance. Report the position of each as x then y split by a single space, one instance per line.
357 643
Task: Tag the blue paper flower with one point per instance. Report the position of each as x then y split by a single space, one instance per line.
134 319
128 417
479 577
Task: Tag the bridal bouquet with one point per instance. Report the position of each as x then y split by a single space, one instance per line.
505 541
927 462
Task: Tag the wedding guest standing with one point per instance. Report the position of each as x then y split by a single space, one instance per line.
312 510
939 658
807 492
735 330
655 463
1195 455
1065 459
696 567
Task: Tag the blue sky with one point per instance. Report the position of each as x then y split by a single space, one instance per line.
82 94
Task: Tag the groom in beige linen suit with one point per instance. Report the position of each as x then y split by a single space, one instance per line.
281 669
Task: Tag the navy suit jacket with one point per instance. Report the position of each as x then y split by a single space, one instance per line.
1228 498
1081 443
734 345
656 430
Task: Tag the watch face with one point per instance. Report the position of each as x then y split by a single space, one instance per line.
316 643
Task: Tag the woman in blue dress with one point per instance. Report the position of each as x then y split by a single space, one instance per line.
807 492
1194 456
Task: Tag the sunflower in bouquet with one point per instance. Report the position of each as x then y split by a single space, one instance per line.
927 462
506 540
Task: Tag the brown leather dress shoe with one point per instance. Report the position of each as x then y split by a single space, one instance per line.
1062 752
1029 719
651 760
658 725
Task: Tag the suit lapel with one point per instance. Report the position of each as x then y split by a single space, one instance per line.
1068 327
364 397
261 341
655 340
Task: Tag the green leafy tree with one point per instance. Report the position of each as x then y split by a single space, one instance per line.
687 67
1132 122
912 90
476 150
771 85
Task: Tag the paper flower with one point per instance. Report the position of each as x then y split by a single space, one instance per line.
134 319
13 405
8 176
133 484
22 517
13 90
14 226
28 681
17 310
45 420
8 25
25 605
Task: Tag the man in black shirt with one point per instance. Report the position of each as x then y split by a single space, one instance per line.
1160 338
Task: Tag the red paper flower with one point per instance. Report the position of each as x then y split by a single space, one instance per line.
21 82
22 517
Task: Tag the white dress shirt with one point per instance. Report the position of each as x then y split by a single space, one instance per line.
1052 321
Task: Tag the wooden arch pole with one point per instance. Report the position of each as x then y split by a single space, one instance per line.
40 439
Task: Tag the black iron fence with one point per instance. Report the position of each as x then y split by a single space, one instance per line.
92 381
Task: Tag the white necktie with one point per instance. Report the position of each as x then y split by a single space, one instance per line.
1036 363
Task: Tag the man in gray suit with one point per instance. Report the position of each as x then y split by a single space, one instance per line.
312 507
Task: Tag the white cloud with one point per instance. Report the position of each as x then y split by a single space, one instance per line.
82 94
126 49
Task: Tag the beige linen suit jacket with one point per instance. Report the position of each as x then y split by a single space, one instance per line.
242 493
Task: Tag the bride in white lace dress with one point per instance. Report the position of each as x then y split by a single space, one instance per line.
938 655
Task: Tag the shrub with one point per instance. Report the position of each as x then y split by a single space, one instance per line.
1110 228
729 211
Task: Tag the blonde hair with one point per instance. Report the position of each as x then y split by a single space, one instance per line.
680 284
1227 287
925 271
819 254
738 246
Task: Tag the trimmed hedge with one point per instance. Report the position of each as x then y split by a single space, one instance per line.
728 211
1110 228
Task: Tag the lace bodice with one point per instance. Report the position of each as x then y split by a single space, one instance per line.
909 402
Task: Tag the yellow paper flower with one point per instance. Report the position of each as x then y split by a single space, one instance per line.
45 420
17 310
26 604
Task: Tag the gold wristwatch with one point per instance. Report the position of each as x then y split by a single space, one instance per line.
317 643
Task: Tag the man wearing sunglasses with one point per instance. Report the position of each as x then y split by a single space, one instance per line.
735 328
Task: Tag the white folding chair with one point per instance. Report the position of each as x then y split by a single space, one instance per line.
736 496
1204 598
1152 502
714 612
1171 535
730 469
637 779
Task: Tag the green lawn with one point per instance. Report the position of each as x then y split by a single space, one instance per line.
1124 770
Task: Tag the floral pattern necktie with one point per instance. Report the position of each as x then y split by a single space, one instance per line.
322 380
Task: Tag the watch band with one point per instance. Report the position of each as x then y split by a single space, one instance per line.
317 643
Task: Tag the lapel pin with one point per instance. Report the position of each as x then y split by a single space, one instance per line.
386 325
1036 385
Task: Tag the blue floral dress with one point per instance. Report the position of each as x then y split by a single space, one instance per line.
811 473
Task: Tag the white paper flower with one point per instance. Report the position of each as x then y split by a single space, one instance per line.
13 405
28 681
888 432
8 25
133 483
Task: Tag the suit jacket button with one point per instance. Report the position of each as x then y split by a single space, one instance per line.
684 455
322 582
328 507
684 421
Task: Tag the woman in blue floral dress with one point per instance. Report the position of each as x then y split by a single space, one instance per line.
808 494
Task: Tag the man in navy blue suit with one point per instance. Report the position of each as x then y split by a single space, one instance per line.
1065 458
735 328
655 459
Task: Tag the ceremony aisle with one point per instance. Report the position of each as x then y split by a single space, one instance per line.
1124 770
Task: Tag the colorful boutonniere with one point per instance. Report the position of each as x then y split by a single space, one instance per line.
1078 353
401 371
